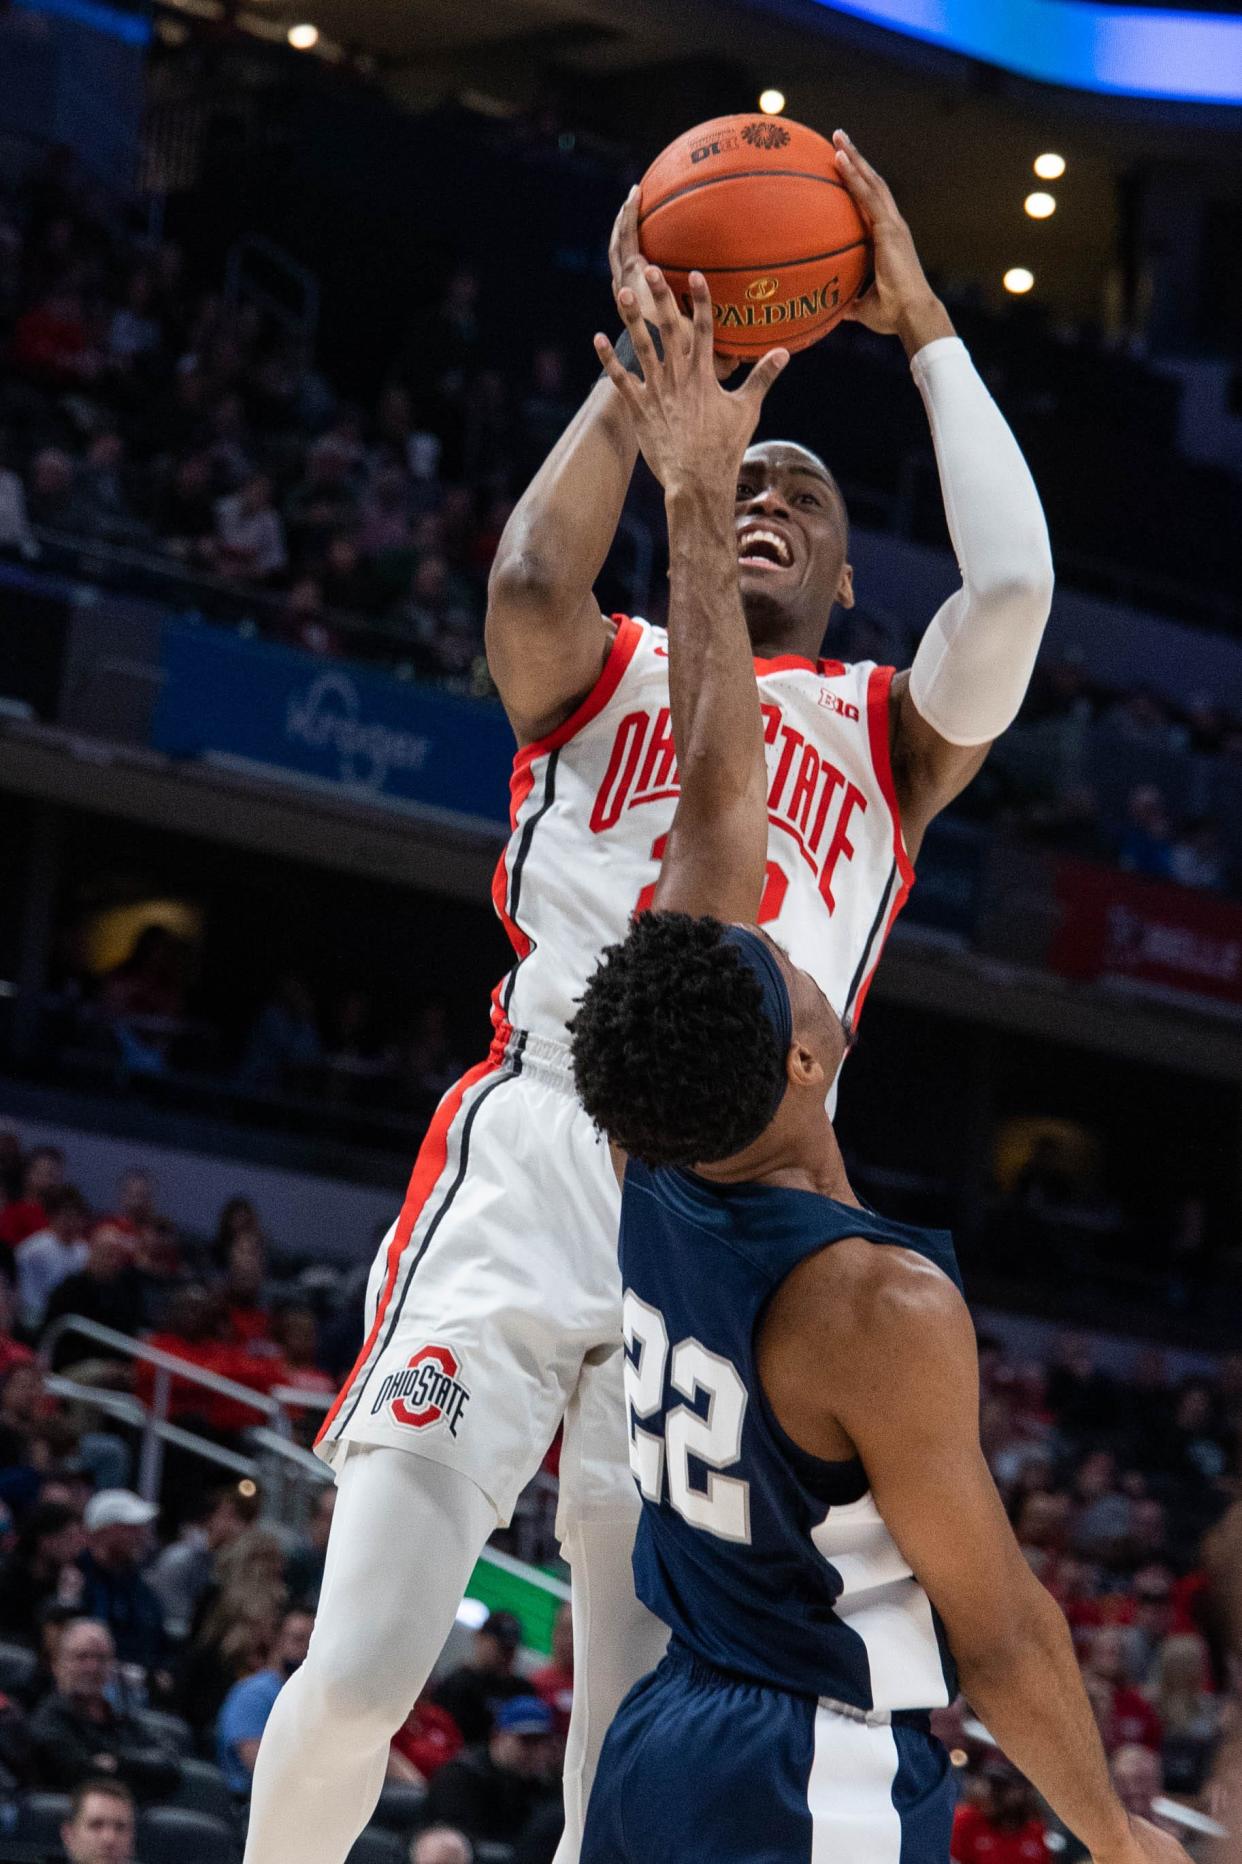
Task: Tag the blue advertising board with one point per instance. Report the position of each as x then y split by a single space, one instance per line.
362 733
1126 51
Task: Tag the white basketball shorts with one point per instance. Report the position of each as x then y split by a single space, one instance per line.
494 1304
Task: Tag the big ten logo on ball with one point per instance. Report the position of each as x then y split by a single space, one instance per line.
721 141
427 1390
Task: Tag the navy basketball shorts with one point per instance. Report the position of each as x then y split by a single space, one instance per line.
699 1768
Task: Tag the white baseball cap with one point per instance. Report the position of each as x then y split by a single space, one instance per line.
118 1508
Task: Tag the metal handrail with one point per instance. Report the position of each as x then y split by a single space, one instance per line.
157 1427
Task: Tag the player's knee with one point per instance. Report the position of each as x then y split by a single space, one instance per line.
349 1683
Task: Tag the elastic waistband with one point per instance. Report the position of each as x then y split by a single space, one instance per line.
686 1662
542 1057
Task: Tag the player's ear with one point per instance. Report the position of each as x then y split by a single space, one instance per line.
803 1069
845 588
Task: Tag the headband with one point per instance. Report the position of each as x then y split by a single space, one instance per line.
757 956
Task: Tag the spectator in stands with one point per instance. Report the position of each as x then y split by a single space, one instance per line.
1189 1712
15 532
325 503
1104 1513
100 1826
43 1171
106 1291
428 1737
296 1333
1138 1779
284 1044
555 1681
1003 1826
185 511
472 1691
1152 1618
42 1569
195 1330
1198 856
12 1352
118 1526
135 1198
50 1255
143 998
76 1733
1146 845
51 344
247 1311
186 1569
494 1791
237 1213
249 543
1130 1719
306 1563
134 330
441 1844
248 1704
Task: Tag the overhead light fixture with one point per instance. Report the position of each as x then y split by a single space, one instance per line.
1040 206
303 38
1049 167
771 102
1018 280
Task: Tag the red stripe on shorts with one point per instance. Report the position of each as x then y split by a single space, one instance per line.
428 1167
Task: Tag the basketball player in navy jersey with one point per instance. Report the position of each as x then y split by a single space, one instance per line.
819 1529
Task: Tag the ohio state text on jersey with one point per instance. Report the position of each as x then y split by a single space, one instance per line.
591 805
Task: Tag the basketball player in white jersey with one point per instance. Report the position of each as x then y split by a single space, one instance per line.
493 1310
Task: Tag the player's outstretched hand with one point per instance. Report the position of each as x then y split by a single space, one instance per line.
691 430
899 300
1148 1845
629 271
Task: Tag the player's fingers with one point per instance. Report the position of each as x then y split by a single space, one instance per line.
616 371
879 194
625 232
668 318
762 376
640 336
702 323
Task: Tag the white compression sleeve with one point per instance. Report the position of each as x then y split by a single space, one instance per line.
974 663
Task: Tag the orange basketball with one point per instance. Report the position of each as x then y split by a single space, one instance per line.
755 204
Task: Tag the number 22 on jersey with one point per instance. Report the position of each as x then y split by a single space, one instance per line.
655 1377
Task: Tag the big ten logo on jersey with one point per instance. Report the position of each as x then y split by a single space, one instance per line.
427 1390
809 798
706 1428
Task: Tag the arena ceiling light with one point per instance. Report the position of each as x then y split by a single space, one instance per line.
1018 280
1049 167
1040 206
1126 50
303 38
771 102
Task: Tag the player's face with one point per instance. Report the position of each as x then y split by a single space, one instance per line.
791 540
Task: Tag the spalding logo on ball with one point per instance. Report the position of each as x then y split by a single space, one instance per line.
759 208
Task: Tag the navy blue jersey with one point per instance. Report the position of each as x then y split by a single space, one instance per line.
765 1561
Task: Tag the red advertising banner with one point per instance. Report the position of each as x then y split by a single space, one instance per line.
1117 925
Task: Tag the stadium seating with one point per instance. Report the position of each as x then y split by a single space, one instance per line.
174 1835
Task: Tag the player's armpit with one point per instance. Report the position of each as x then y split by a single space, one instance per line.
928 771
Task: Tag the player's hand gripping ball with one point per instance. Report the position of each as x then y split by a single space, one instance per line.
756 204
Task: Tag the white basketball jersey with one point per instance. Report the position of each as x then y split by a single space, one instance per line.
591 806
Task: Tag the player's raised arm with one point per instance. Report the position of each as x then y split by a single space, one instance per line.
974 663
905 1388
546 638
693 434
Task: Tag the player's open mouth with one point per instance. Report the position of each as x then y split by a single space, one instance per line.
761 549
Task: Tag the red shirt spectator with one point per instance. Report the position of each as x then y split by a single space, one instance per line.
428 1737
249 1318
1126 1718
979 1839
19 1219
555 1681
50 340
192 1335
12 1352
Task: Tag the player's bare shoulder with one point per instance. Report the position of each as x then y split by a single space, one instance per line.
850 1326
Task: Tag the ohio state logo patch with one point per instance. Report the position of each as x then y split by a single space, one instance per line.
426 1391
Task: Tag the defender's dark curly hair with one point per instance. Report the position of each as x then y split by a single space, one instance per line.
673 1055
